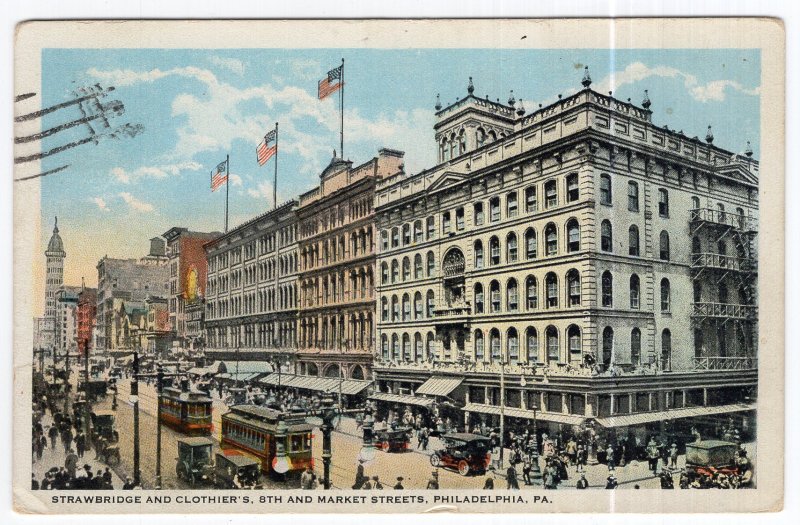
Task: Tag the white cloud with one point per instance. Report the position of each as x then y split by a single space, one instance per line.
155 172
135 203
637 71
262 191
100 202
231 64
306 69
236 180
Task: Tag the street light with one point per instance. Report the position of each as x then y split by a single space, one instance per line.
280 464
367 452
328 415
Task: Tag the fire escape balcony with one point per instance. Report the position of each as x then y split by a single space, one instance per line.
725 311
721 262
725 363
723 219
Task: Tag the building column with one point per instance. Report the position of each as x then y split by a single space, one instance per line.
612 405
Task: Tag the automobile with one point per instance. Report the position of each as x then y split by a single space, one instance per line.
236 471
466 453
193 463
393 440
710 457
105 436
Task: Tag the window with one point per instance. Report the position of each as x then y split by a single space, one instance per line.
721 212
480 137
385 347
666 349
406 234
697 292
530 244
395 309
430 224
429 303
446 222
665 295
395 348
573 236
511 247
418 305
417 231
605 236
722 293
462 142
395 237
512 346
384 309
605 189
550 194
494 296
531 293
511 204
572 187
574 341
494 209
384 273
479 348
418 351
512 295
633 196
406 307
430 264
608 345
551 239
740 217
574 287
478 298
494 251
395 271
551 285
633 241
406 268
444 150
494 342
636 347
478 255
663 202
418 266
606 289
634 292
552 344
663 245
530 199
695 203
429 348
384 240
532 344
477 211
460 219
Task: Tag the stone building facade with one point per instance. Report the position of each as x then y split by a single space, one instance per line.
54 280
66 319
336 227
87 319
251 293
575 265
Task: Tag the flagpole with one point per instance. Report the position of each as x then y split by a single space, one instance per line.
227 185
341 113
275 182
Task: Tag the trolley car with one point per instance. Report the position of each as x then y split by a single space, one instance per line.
252 430
185 411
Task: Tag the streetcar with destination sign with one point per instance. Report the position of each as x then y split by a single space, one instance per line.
188 412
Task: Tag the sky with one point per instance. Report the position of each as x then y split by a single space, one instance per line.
197 106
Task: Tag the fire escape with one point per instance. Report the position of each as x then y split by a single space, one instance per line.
717 227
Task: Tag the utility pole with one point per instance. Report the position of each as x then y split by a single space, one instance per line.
160 380
86 387
135 400
328 413
502 409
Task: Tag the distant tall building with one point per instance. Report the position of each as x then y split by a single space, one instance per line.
55 255
66 319
87 318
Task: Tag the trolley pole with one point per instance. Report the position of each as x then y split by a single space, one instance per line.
135 400
160 380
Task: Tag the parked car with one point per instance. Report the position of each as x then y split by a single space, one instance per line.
466 453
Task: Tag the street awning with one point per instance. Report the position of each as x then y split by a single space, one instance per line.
439 386
402 399
565 419
241 376
676 413
318 384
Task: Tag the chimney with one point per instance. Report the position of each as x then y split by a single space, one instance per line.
390 162
158 247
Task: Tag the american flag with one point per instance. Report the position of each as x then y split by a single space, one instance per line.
219 177
264 151
326 85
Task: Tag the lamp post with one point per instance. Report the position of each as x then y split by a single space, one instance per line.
279 463
160 388
367 452
328 414
134 399
537 473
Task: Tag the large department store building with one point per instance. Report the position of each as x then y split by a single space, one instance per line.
576 265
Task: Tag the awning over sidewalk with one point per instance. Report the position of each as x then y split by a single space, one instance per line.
402 399
439 386
676 413
566 419
318 384
241 376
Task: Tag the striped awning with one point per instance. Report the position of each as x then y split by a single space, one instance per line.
319 384
565 419
439 386
402 399
241 376
676 413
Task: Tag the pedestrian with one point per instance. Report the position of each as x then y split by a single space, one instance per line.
66 438
511 478
610 457
128 485
34 483
652 455
582 483
666 480
376 483
307 479
673 456
433 483
611 482
53 433
80 444
399 484
40 442
107 478
582 457
526 469
360 477
71 463
572 451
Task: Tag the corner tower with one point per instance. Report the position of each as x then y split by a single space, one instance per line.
55 272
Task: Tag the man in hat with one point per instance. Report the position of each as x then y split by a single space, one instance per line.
128 485
376 483
307 479
511 478
71 463
673 456
399 484
433 483
611 481
582 483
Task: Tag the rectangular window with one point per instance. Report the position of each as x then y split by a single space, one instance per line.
406 234
530 199
511 205
605 189
633 196
494 209
460 219
663 203
573 192
446 222
431 228
550 194
478 213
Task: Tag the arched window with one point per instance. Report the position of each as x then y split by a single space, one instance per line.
480 137
511 247
530 199
606 240
406 234
395 309
636 347
406 307
607 289
492 136
479 346
608 345
385 347
574 287
453 146
494 344
550 194
511 204
444 150
478 298
665 295
384 273
663 202
512 295
430 300
478 255
574 342
430 351
384 309
666 350
430 228
551 287
551 239
395 271
633 240
417 231
477 214
384 242
605 189
573 192
573 236
418 350
531 293
395 239
721 217
431 265
418 305
406 269
494 251
462 142
532 344
740 217
663 245
530 244
512 346
634 292
695 203
494 209
395 347
418 266
551 335
494 296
